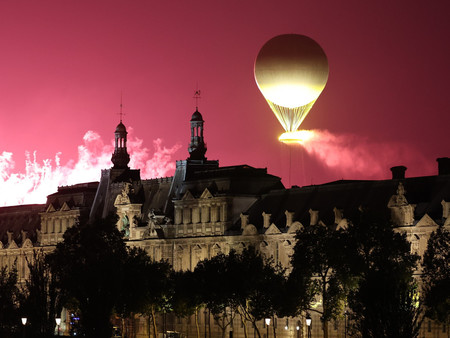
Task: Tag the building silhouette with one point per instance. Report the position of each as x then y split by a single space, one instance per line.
205 209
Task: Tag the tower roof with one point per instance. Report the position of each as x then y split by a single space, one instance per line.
121 128
197 116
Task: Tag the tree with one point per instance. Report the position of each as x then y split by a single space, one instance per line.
246 284
41 298
187 296
129 299
146 287
9 295
436 276
217 288
318 269
259 287
88 266
158 291
385 303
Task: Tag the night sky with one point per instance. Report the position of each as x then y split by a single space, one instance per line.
64 65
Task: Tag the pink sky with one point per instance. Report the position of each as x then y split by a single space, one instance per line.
64 63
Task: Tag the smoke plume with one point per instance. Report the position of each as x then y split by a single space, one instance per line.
358 157
42 177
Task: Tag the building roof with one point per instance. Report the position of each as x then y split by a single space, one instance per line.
232 180
426 193
77 195
121 128
20 217
197 116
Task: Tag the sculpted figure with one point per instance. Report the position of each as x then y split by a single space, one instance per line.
123 197
399 199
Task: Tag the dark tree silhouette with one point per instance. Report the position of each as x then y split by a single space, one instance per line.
319 273
157 290
41 298
89 267
259 287
217 289
246 284
9 297
436 276
385 304
187 298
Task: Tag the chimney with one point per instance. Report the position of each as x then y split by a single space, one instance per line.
398 172
443 165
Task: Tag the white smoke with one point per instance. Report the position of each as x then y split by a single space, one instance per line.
359 157
42 178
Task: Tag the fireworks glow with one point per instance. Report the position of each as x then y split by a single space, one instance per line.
42 177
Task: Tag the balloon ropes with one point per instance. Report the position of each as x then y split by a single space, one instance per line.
290 118
291 71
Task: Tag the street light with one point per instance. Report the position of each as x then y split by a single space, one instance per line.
267 320
298 330
308 324
58 322
24 322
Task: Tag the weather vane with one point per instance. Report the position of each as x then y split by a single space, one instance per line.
121 113
197 97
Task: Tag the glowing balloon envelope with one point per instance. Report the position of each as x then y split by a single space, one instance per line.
291 71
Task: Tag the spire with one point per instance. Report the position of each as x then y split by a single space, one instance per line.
121 112
120 158
197 146
197 97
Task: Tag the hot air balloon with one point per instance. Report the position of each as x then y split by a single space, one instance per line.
291 71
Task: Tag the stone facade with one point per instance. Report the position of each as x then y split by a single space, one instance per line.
205 209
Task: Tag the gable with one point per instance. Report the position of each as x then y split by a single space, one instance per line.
206 194
65 207
426 221
27 244
187 196
50 208
272 230
12 245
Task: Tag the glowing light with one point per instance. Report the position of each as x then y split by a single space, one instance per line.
308 320
291 71
291 95
299 136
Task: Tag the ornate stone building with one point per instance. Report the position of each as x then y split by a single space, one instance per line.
205 209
